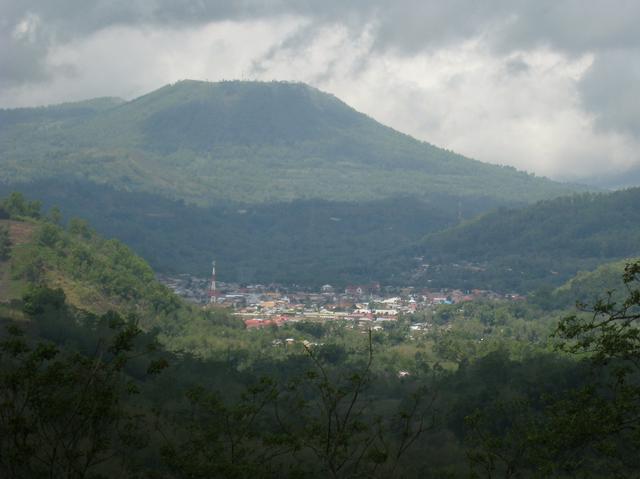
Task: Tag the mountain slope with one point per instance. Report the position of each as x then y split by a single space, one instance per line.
304 241
245 142
546 242
96 274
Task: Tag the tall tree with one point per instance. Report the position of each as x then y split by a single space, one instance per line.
5 243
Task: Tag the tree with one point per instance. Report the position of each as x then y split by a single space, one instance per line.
79 227
326 413
5 243
62 412
17 205
55 215
318 422
49 235
604 415
227 438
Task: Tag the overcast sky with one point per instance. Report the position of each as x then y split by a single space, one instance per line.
549 86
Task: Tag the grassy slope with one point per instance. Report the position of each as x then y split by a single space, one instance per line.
96 274
244 141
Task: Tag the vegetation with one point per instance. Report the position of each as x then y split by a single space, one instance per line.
135 383
546 243
247 142
5 243
304 241
62 411
277 181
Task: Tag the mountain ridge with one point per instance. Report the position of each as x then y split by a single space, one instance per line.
248 142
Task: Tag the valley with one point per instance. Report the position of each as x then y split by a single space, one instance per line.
414 312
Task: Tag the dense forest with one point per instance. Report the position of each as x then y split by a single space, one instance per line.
526 248
105 373
308 242
466 242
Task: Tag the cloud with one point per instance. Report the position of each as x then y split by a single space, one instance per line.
609 90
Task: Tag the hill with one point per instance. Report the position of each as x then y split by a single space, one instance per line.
245 142
96 275
520 249
276 181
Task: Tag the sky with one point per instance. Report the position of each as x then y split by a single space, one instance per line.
547 86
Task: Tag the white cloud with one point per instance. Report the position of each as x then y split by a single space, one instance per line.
128 62
469 99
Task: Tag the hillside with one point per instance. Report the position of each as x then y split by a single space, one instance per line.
245 142
92 380
304 241
276 181
96 274
548 242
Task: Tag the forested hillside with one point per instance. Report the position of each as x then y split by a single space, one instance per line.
544 243
93 273
246 142
305 241
276 181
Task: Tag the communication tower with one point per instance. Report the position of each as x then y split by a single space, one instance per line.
213 292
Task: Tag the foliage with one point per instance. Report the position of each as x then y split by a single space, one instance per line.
16 205
608 333
98 275
87 265
546 243
319 422
227 440
239 403
5 243
334 241
339 426
591 426
62 412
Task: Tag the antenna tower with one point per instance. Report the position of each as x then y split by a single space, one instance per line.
213 292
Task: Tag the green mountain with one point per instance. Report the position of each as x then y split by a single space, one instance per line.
276 181
520 249
246 142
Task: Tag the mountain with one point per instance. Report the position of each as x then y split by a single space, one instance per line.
520 249
247 142
276 181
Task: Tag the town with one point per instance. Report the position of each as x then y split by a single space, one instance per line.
370 305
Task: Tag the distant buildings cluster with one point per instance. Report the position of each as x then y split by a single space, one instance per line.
273 305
